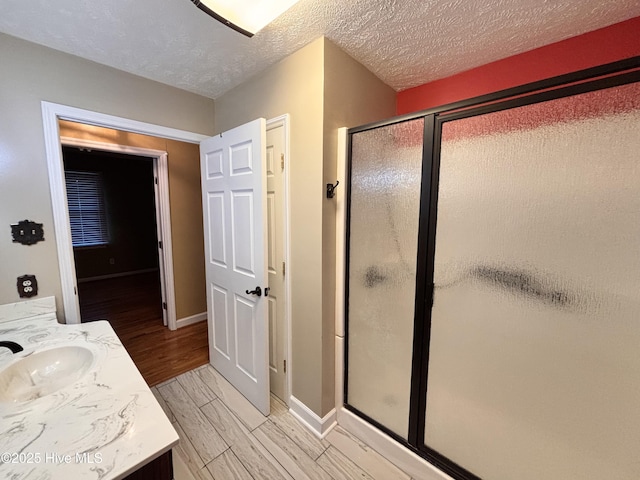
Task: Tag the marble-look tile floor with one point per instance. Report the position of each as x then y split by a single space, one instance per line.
223 437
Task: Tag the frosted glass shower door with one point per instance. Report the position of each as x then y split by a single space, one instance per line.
534 358
385 174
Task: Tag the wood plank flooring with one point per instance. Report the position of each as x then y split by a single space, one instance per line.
133 307
223 437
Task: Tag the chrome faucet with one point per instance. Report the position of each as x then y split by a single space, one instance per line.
13 346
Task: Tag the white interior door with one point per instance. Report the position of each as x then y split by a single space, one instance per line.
275 260
163 293
235 221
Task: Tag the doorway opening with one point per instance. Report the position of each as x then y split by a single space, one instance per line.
114 227
161 350
52 117
123 249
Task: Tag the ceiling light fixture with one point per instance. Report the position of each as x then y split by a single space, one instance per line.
245 16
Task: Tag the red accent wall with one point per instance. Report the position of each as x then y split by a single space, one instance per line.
616 42
609 102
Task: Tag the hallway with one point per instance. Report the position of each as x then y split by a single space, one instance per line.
133 307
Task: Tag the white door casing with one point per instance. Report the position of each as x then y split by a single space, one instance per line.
51 113
277 300
235 225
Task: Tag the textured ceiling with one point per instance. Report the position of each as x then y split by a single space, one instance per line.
404 42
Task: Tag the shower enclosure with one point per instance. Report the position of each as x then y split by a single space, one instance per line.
493 280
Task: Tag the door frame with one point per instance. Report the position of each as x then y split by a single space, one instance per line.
284 121
51 113
163 214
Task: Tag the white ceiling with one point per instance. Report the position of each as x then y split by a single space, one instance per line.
404 42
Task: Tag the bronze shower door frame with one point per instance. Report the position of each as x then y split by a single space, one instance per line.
592 79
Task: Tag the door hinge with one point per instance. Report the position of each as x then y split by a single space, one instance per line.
282 161
283 269
75 290
156 179
285 366
164 305
160 244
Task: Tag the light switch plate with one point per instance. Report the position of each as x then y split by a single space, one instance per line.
27 232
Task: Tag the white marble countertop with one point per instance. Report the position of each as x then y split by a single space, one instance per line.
104 426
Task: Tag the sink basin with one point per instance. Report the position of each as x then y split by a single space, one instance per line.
44 372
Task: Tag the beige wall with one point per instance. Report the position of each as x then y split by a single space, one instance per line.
185 203
294 86
319 86
30 74
187 233
353 96
322 89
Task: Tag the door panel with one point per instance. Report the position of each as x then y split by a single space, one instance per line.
241 156
219 312
245 330
386 172
214 164
273 333
271 232
234 191
217 245
534 330
243 232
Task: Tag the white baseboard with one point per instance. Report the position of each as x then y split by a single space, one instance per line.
198 317
116 275
403 458
319 426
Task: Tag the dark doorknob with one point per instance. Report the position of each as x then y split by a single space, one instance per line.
257 291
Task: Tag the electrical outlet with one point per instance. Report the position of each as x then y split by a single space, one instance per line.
112 261
27 286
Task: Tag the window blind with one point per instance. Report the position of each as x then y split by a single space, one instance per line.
87 213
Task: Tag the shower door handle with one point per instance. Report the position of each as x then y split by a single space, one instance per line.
257 291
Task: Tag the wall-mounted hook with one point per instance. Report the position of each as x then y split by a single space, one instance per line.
331 189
